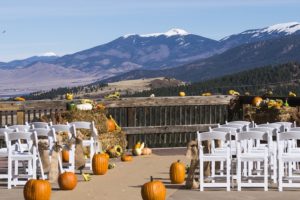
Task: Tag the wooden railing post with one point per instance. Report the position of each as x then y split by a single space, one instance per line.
20 117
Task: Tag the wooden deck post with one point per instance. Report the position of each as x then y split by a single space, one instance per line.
21 117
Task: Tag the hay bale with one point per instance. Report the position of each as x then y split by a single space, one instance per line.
108 139
264 115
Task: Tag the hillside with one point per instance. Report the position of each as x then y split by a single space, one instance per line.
100 90
244 57
280 79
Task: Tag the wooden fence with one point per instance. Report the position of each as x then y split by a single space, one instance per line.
159 121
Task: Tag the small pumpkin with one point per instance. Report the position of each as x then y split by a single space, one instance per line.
256 101
182 94
153 190
99 164
67 181
110 124
126 158
36 189
19 99
177 172
65 155
146 151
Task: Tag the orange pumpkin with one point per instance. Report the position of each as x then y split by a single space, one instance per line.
146 151
177 172
37 189
256 101
67 181
126 158
65 155
99 164
153 190
110 124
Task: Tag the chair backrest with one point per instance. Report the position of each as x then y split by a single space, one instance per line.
48 133
295 129
86 125
29 138
20 128
240 127
40 125
252 135
70 129
213 135
7 130
287 140
287 125
265 129
247 123
232 130
279 127
290 135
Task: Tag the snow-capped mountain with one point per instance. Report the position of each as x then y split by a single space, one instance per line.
148 51
171 32
255 35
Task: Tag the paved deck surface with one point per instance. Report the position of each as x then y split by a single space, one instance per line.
124 182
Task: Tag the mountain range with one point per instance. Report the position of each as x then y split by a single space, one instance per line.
175 53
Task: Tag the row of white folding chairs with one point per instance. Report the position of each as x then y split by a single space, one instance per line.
50 131
249 153
93 143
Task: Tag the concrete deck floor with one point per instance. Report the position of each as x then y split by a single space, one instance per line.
124 182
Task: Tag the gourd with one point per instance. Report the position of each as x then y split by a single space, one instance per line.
137 149
99 164
36 189
182 94
146 151
126 158
153 190
67 181
69 96
177 172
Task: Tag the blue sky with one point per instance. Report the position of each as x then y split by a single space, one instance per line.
34 27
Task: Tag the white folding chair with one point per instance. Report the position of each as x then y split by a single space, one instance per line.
248 152
70 129
51 137
213 156
286 157
93 143
15 155
4 152
272 149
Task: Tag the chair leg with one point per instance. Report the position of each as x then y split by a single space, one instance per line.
228 169
201 177
9 173
239 174
34 168
280 175
266 174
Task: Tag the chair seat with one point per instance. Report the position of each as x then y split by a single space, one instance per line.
214 157
291 157
22 155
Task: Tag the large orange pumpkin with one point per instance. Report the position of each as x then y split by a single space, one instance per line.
153 190
65 155
67 181
177 172
37 190
256 101
110 124
99 164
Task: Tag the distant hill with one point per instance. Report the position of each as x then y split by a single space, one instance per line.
244 57
280 79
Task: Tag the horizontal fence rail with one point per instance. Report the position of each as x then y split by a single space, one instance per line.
159 121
